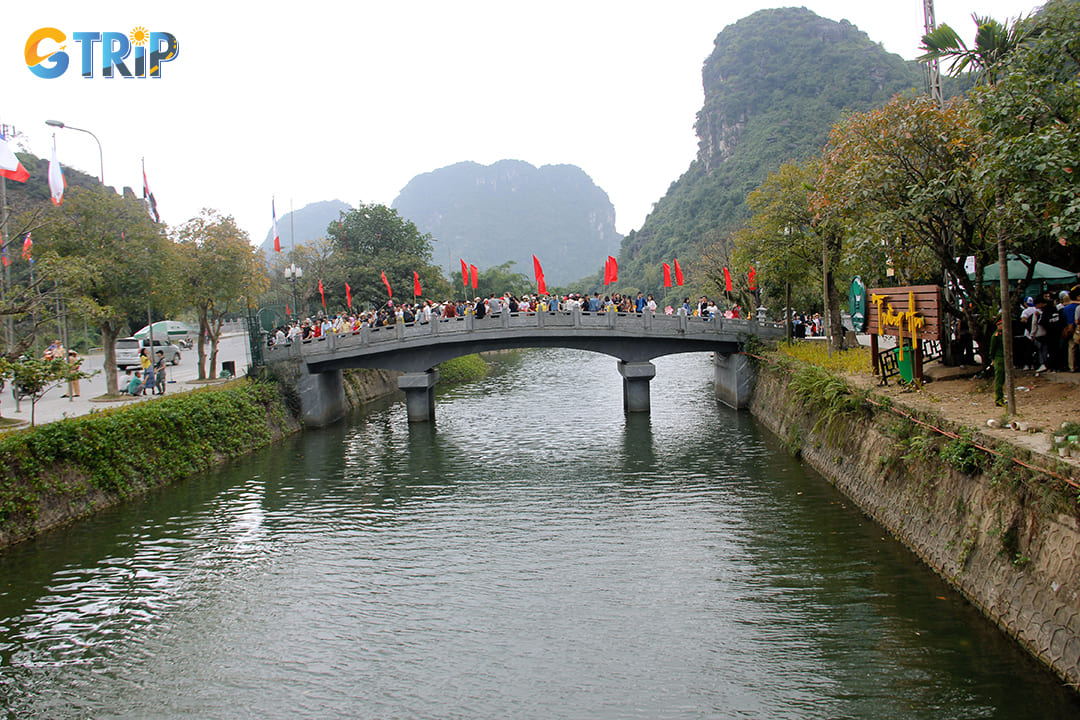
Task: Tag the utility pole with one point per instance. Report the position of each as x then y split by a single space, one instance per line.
933 70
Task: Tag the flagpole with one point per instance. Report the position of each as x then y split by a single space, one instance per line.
9 330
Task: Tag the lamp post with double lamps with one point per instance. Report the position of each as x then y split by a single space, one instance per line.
294 273
101 155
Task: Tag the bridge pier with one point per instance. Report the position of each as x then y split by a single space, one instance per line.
734 379
419 390
636 377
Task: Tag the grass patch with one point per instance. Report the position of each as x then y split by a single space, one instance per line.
854 360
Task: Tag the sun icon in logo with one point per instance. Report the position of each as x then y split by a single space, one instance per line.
139 36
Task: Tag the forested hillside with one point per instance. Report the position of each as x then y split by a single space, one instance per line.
511 210
774 84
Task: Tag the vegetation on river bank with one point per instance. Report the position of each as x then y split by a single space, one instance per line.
61 470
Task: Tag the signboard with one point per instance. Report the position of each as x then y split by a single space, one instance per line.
857 304
906 313
909 314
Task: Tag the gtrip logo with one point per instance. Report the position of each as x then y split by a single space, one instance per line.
46 56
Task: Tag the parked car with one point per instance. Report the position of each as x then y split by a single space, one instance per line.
127 351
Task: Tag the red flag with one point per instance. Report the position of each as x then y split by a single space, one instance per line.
416 291
611 270
472 272
464 274
28 248
667 275
273 216
727 280
387 284
678 273
541 286
322 295
287 310
752 279
348 295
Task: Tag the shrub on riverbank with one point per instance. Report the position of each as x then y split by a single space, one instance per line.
105 456
462 369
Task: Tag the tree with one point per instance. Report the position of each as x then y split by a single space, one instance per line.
1031 119
901 179
220 268
110 259
33 377
786 243
994 45
502 278
373 240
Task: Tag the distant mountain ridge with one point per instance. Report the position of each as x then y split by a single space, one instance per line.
774 84
511 210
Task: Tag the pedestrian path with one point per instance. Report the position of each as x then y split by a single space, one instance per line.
55 406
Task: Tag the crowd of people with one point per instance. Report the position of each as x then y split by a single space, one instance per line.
431 311
1050 340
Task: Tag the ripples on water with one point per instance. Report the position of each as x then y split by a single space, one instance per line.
535 554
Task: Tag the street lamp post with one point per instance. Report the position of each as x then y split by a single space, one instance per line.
101 155
294 273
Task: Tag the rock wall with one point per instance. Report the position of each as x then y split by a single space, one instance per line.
1007 539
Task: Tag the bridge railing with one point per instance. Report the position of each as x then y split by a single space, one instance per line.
634 324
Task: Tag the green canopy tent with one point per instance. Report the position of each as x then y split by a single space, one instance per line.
171 329
1044 274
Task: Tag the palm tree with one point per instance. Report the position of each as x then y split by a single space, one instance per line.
995 42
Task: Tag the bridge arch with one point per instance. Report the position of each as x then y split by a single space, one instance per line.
416 349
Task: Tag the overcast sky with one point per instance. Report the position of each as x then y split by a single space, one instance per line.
350 100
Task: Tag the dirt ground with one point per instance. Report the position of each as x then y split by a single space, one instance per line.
1043 402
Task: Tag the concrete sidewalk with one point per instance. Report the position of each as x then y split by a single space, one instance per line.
179 378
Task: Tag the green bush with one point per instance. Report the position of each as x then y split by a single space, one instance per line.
122 448
462 369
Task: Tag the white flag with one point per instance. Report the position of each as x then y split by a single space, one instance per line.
56 178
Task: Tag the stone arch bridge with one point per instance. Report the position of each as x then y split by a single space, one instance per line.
415 349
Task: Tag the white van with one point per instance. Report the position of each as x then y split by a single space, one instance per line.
127 352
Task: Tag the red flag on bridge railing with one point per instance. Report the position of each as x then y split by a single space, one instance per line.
348 295
611 270
472 272
678 273
727 280
416 291
387 284
752 279
464 274
667 275
322 295
541 286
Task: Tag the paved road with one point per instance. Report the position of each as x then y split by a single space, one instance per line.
54 407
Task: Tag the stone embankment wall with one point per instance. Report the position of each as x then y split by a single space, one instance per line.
1005 537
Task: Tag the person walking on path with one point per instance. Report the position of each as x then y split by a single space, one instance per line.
74 361
159 374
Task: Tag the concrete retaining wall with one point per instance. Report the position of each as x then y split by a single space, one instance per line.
1007 543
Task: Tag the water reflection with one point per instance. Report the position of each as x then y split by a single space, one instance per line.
533 554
